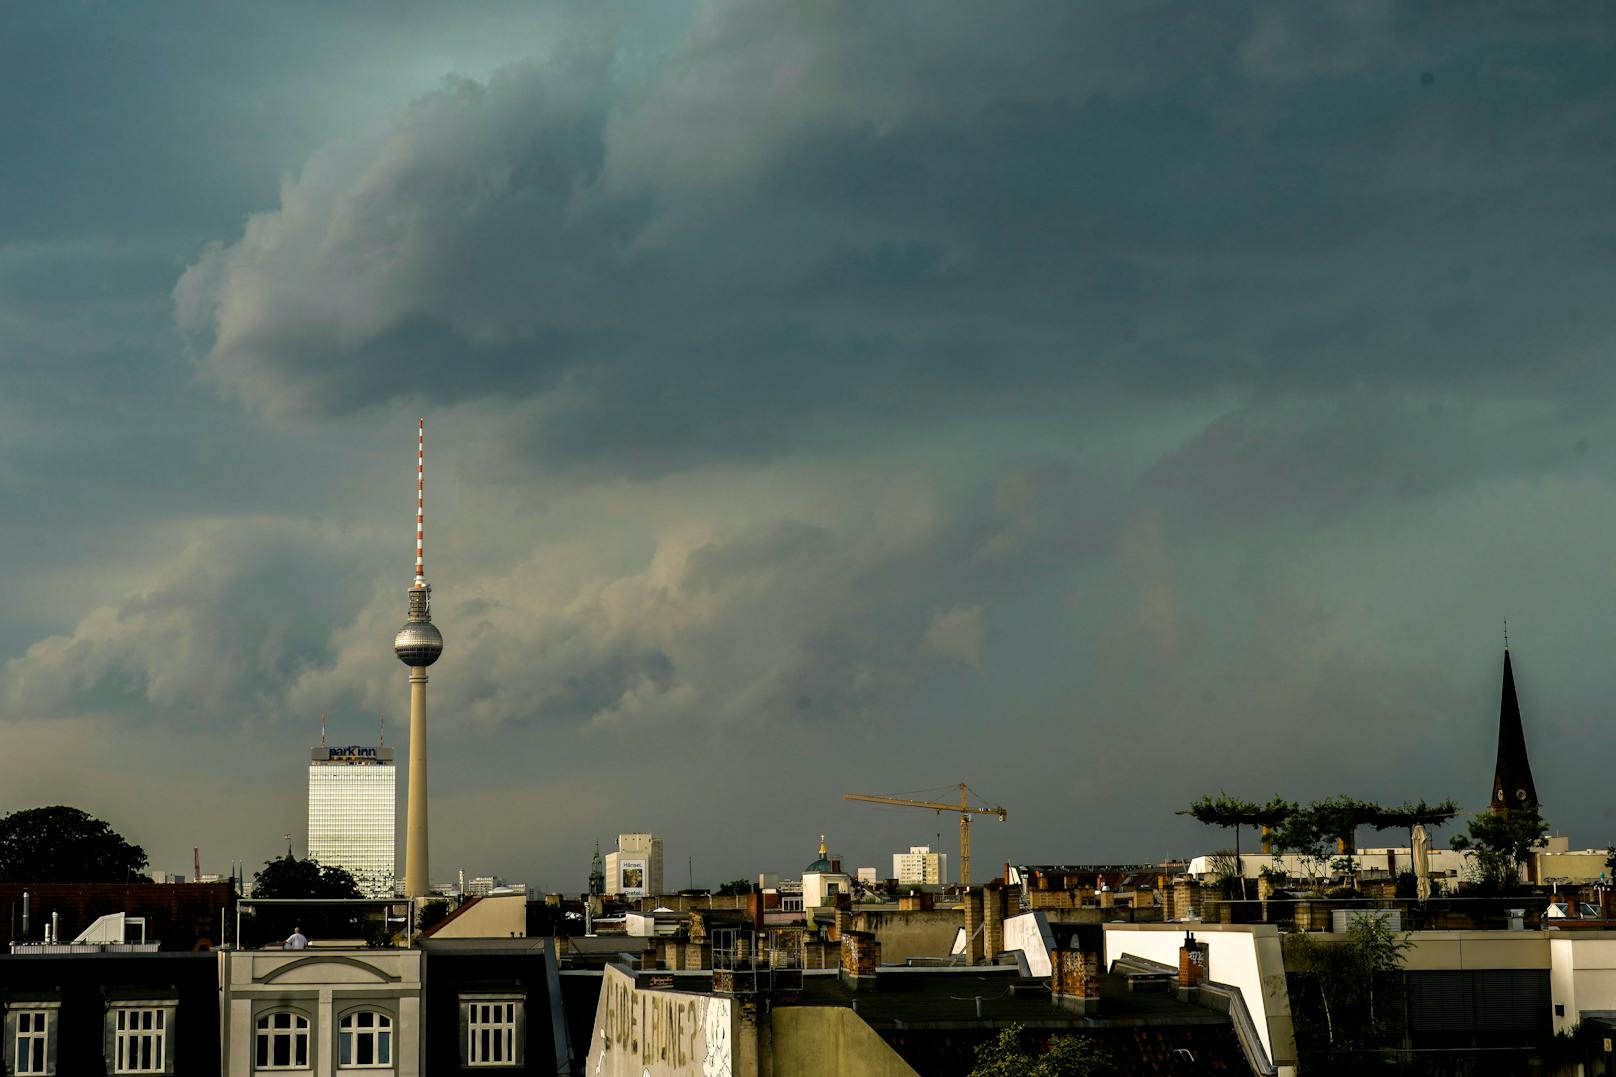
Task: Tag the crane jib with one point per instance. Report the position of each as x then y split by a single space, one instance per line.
964 809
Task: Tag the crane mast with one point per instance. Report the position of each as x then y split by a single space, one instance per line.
964 807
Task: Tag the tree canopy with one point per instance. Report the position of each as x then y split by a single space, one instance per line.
1311 831
1065 1056
735 887
1307 837
1227 811
431 913
1410 814
289 877
59 844
1341 1026
1501 842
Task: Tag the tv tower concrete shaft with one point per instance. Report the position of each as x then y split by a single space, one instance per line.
418 645
416 880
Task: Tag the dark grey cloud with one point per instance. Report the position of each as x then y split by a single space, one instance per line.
767 224
237 616
1090 399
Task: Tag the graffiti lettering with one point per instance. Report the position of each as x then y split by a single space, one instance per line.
659 1033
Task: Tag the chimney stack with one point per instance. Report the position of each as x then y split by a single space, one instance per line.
1193 967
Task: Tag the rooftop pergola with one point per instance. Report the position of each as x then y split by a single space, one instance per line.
325 903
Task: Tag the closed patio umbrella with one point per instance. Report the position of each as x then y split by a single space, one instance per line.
1422 862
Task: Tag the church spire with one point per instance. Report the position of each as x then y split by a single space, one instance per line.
1512 777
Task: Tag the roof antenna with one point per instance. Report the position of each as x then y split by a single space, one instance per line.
1506 633
381 718
322 731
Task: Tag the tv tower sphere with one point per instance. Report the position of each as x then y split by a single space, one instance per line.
418 644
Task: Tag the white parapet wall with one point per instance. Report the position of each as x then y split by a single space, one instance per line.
1030 934
1243 956
1582 975
641 1032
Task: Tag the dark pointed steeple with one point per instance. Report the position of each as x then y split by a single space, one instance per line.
1512 778
597 874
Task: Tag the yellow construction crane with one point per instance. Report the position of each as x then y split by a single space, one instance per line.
965 812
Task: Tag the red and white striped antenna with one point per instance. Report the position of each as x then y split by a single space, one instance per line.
420 502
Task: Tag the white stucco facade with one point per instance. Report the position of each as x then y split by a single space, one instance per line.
1445 864
1582 976
319 987
819 889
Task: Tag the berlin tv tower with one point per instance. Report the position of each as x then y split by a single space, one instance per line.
418 645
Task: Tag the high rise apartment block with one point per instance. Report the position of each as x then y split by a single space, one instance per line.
634 869
920 865
353 816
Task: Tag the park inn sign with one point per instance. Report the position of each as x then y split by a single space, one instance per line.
350 753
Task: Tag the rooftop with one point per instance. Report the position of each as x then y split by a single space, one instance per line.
917 998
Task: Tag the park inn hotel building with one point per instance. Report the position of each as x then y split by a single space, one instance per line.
353 814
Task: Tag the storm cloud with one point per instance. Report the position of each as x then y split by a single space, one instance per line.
830 396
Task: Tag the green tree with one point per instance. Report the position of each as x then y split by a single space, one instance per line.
1231 812
290 877
1009 1055
1339 818
544 918
1303 835
431 913
1345 1001
1501 843
1407 816
735 887
59 844
1410 814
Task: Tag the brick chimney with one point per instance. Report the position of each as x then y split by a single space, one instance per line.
993 895
1193 964
973 924
861 956
1074 980
1186 899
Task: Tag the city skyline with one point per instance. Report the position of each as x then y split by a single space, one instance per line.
821 401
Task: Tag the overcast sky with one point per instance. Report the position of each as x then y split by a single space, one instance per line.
1101 404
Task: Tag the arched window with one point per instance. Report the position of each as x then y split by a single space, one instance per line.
282 1042
365 1038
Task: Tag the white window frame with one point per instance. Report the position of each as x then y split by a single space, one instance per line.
295 1032
41 1023
134 1026
501 1017
348 1028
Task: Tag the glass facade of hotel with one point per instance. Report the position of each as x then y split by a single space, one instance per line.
353 816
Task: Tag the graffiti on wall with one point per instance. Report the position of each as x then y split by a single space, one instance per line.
646 1033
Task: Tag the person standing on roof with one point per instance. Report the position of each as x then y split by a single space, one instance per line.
296 940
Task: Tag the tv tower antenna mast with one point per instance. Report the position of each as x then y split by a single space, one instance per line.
418 645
